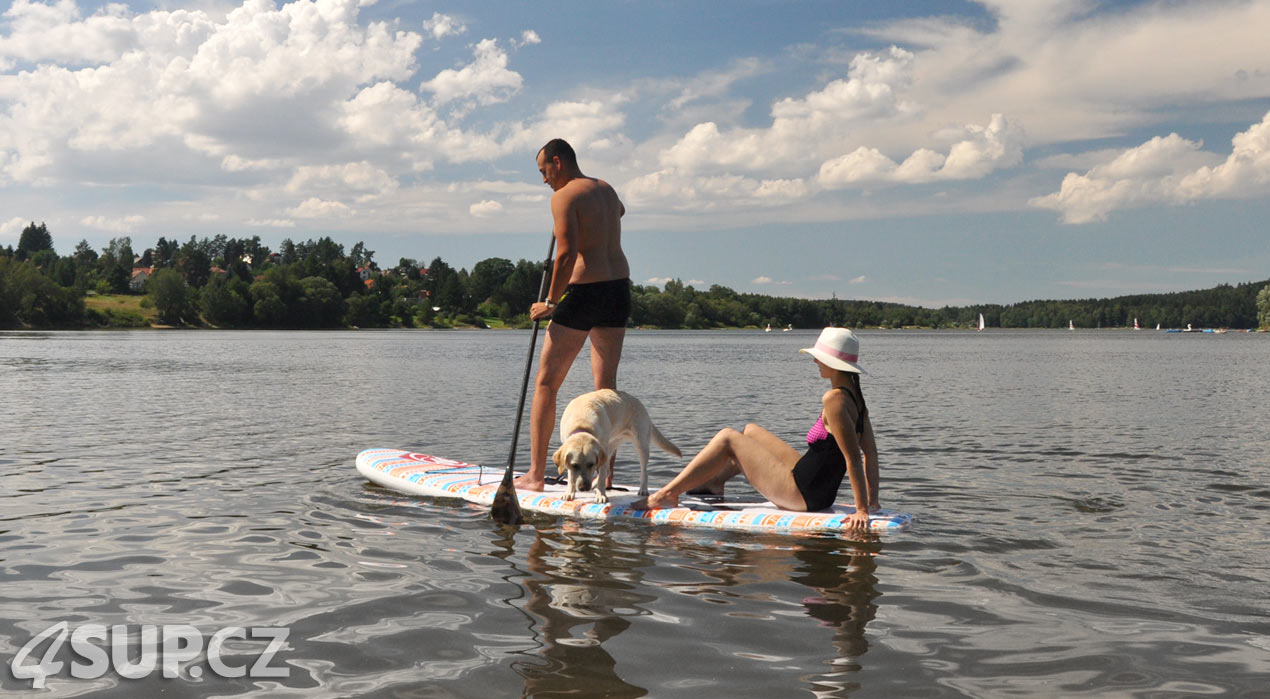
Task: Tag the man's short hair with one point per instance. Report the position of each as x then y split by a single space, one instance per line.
561 148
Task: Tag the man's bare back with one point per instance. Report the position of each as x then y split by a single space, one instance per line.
589 208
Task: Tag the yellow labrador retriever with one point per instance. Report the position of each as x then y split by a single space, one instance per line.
592 427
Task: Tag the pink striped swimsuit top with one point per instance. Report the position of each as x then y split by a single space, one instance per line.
817 431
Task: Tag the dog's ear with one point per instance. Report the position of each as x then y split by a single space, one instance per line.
558 457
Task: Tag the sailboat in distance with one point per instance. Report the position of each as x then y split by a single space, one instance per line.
980 322
1070 326
1135 324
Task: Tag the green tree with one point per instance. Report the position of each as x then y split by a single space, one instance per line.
360 256
408 269
488 277
268 309
1263 307
34 239
363 311
320 304
114 267
29 298
84 253
171 297
195 262
165 253
522 286
223 301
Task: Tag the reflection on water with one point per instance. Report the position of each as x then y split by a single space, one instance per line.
581 593
1092 510
577 599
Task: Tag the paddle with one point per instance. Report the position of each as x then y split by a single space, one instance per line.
506 506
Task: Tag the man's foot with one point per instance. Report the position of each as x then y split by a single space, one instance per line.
526 483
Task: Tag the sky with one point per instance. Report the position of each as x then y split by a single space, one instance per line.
929 153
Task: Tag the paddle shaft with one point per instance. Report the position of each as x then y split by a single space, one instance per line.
529 359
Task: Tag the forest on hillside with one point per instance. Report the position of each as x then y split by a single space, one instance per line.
228 282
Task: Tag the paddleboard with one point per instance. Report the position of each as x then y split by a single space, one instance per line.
434 476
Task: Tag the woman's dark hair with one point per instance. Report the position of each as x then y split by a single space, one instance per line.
855 383
558 147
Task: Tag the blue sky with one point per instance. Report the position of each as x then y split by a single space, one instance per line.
931 153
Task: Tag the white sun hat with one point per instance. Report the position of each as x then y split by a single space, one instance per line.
838 348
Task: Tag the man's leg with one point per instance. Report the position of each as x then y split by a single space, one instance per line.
559 349
606 352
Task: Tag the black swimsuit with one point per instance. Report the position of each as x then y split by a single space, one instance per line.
820 471
596 304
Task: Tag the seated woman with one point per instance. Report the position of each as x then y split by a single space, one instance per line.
840 443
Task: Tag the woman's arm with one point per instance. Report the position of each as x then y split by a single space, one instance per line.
840 419
869 448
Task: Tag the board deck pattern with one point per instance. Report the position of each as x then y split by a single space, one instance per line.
434 476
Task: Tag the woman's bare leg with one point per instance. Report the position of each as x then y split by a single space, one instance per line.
730 452
779 448
772 443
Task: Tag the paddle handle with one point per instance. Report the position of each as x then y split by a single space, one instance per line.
529 359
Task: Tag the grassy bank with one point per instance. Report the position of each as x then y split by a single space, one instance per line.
120 311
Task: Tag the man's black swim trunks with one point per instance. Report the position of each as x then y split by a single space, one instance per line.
597 304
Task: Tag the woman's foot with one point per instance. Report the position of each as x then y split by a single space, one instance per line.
659 500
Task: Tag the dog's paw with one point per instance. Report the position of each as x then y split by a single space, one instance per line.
643 492
568 496
601 498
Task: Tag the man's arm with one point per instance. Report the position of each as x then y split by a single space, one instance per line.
565 228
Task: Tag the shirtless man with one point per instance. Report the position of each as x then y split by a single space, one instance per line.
590 294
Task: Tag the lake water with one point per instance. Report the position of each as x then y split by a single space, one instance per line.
1093 511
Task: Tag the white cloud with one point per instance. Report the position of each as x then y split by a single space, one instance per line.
1168 170
861 165
114 224
441 26
486 80
485 208
167 89
1069 71
975 152
858 280
234 163
12 228
319 208
869 92
271 223
528 37
712 193
58 32
362 177
1245 173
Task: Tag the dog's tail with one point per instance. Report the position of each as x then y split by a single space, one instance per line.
660 440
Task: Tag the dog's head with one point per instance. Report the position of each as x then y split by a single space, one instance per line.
582 456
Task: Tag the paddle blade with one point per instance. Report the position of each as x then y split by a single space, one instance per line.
506 506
